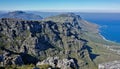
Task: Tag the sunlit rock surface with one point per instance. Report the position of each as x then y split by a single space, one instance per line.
110 65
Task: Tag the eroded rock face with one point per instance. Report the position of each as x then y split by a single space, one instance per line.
60 63
12 59
110 65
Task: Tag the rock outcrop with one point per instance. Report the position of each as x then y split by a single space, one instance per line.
60 63
8 59
110 65
14 60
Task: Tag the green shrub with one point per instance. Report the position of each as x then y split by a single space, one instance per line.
44 66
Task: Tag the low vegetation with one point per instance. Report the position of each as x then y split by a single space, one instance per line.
31 66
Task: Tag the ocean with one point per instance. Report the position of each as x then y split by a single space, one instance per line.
109 22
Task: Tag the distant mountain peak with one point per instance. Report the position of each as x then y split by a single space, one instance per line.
18 12
69 15
64 17
21 15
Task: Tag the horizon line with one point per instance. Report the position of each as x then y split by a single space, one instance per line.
89 11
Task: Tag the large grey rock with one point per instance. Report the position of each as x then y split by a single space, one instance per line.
60 63
12 59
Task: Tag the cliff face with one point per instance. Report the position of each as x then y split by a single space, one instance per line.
61 36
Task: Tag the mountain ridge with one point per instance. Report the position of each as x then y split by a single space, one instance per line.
67 36
21 15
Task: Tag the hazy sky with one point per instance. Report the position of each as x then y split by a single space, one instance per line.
62 5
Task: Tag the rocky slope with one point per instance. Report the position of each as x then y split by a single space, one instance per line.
21 15
67 36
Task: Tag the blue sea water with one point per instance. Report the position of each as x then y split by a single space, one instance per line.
109 22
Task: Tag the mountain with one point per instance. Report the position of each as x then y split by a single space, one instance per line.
21 15
45 14
2 12
66 36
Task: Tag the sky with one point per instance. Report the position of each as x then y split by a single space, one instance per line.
61 5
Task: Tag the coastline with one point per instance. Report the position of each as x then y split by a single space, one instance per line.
103 37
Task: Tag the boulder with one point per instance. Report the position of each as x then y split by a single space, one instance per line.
12 59
59 63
